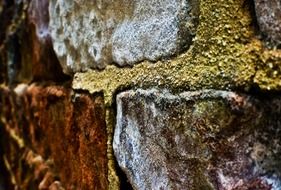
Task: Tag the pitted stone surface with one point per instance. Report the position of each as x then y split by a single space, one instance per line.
198 140
92 34
269 18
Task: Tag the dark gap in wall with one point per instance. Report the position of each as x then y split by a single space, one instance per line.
4 174
124 182
2 69
14 62
256 92
250 6
264 95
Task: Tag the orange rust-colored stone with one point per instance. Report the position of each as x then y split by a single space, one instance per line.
63 128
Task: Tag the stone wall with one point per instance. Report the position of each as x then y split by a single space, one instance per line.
148 94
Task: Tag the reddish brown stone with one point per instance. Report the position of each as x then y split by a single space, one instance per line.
26 50
39 50
65 128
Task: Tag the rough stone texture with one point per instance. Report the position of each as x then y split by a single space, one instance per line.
47 126
198 140
268 73
26 52
92 34
51 127
269 18
156 29
39 48
22 168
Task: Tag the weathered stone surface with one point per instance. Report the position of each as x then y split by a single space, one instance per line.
65 130
198 140
38 50
41 132
269 18
21 167
157 29
26 51
92 34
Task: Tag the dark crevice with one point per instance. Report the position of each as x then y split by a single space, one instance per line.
124 182
4 174
265 95
250 6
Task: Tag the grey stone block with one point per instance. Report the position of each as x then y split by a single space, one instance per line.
269 18
198 140
91 34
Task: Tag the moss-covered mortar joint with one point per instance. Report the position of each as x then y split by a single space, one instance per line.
225 55
268 74
113 178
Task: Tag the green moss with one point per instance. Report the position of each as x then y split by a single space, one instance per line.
268 74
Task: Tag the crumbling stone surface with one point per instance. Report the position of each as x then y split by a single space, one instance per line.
91 34
269 18
198 140
64 130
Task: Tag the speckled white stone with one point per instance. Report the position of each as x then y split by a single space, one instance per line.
91 34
